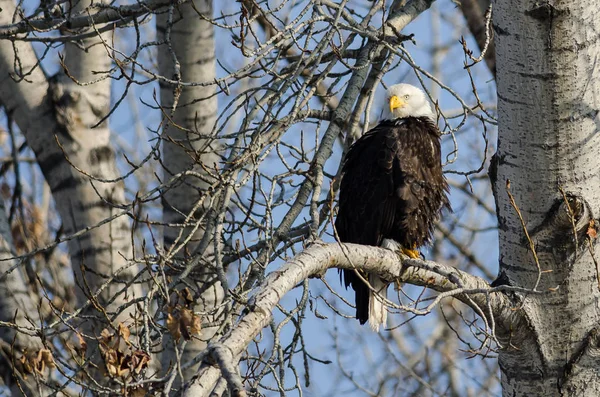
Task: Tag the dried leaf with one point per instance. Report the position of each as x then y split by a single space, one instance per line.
81 349
25 364
42 360
187 296
138 361
106 336
37 227
187 316
190 323
592 230
173 327
124 332
186 321
31 362
196 327
115 362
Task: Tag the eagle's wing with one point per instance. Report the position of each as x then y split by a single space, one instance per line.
367 205
368 202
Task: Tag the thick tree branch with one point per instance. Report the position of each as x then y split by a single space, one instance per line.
473 291
404 15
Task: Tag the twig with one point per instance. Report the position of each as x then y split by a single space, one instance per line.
524 226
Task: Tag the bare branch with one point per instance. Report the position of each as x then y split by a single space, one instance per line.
104 14
478 23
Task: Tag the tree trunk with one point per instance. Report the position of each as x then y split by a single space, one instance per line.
189 56
16 306
80 169
548 148
83 201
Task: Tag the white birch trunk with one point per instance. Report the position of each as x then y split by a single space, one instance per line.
79 109
41 110
17 306
191 42
548 101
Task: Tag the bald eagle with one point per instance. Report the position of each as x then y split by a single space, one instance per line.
392 191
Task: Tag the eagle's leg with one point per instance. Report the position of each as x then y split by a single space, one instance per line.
398 248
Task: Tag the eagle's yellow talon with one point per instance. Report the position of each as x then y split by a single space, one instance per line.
414 254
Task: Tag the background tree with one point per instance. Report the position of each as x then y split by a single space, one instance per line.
169 181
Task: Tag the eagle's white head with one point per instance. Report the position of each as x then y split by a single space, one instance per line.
405 100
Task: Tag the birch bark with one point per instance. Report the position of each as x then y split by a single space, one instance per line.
188 145
86 200
548 101
18 307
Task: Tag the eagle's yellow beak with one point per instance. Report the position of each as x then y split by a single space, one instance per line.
396 103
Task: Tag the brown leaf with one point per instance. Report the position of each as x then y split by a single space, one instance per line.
173 327
196 327
25 364
31 362
592 230
124 332
187 316
106 336
81 349
44 359
187 296
185 322
139 361
37 227
189 323
115 362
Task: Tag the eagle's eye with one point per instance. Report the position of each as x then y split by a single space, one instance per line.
406 96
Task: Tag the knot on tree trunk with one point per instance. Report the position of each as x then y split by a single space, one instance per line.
74 107
567 225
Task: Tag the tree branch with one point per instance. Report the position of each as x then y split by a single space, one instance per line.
476 21
86 19
472 290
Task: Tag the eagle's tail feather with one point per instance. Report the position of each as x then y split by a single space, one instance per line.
362 293
377 309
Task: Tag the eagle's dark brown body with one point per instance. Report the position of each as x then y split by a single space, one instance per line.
392 188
